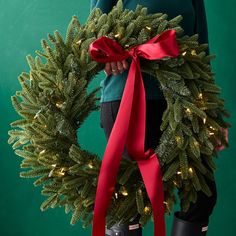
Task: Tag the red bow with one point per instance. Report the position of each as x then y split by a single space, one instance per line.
129 128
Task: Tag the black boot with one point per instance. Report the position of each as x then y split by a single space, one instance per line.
186 228
133 228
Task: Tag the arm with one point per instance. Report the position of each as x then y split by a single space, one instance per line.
92 4
106 6
201 27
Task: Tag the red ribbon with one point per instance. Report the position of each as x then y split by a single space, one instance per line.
129 128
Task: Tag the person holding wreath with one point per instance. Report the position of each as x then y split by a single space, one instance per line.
195 221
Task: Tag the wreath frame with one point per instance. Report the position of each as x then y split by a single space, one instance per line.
55 103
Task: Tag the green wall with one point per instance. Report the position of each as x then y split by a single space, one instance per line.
22 25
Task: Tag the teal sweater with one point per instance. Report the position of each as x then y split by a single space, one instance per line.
194 21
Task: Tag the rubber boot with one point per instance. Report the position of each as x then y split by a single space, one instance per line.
186 228
132 229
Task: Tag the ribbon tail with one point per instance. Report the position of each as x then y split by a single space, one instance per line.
151 173
147 161
112 157
136 133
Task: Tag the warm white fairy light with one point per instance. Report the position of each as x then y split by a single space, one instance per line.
212 128
147 209
50 173
90 165
42 152
117 35
193 52
58 173
188 111
190 170
200 96
59 104
37 114
175 183
61 172
124 191
79 42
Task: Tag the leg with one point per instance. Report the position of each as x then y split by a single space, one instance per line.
195 221
203 208
154 110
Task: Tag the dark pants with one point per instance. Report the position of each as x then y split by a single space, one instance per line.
197 212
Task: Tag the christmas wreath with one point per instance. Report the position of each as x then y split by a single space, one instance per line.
54 102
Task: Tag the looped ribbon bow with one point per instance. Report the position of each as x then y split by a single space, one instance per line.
129 128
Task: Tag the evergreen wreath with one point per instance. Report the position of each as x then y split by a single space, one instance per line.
54 103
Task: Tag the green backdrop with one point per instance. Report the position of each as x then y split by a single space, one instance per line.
22 25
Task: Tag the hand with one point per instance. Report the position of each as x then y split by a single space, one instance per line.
116 68
220 147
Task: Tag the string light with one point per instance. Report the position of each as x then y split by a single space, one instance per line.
116 195
42 152
148 28
193 52
204 120
50 173
58 173
140 191
124 191
179 172
59 104
79 42
190 170
37 114
184 53
211 133
212 128
200 96
90 165
188 111
117 35
147 210
175 183
61 172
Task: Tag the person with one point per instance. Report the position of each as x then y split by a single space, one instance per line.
194 222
